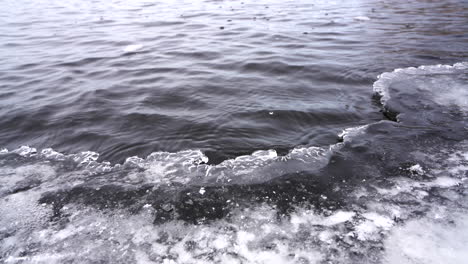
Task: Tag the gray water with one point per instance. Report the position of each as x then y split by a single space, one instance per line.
281 74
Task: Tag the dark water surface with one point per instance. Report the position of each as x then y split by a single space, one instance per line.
280 74
233 131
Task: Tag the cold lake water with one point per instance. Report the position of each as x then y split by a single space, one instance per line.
211 131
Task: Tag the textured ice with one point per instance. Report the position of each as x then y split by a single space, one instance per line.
25 151
384 216
428 241
251 235
254 234
14 179
352 131
134 237
188 165
381 86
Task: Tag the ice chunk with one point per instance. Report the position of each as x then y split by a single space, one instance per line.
202 191
416 169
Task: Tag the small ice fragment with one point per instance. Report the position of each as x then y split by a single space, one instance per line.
202 190
362 18
25 151
271 113
416 169
147 206
3 151
133 48
204 159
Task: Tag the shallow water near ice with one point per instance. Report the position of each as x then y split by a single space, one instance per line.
233 132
